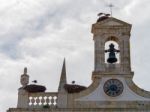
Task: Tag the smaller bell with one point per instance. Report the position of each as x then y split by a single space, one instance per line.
112 55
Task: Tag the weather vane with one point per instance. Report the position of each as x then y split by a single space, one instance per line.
111 8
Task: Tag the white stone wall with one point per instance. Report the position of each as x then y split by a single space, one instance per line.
99 95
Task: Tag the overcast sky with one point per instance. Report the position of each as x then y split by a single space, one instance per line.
38 34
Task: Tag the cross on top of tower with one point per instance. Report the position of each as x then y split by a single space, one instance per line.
111 8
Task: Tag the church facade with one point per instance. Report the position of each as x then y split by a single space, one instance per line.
112 88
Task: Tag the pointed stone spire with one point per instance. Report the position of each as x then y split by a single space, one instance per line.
63 79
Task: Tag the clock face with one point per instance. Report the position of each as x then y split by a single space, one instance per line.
113 87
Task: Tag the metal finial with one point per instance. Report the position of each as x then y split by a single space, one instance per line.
111 8
25 70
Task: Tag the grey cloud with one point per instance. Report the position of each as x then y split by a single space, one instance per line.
39 34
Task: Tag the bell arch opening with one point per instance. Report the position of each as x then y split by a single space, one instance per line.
112 52
112 38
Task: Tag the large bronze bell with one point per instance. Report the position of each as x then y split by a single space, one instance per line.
112 55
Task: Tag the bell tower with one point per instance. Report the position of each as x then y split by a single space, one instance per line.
109 30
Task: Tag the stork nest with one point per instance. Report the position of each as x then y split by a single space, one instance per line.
32 88
102 18
73 88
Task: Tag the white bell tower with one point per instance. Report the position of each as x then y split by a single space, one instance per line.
114 30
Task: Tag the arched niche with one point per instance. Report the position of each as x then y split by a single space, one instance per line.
115 41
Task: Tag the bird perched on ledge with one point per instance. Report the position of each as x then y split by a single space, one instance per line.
34 81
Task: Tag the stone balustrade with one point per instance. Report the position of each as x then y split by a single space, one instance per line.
42 100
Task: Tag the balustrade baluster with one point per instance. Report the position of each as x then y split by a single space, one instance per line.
37 100
40 98
55 100
42 101
47 101
35 103
32 101
45 97
50 100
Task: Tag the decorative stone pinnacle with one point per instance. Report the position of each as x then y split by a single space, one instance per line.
25 70
24 78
